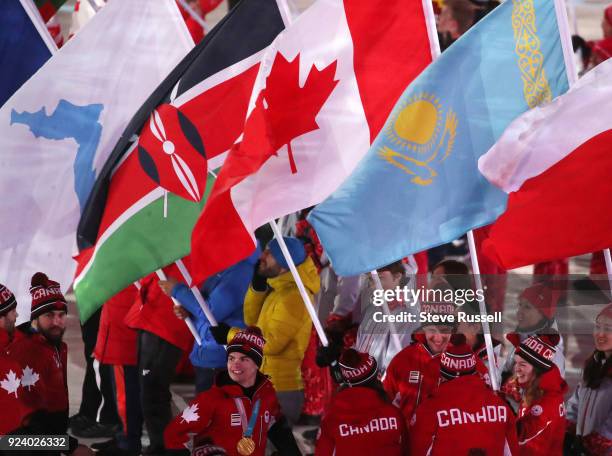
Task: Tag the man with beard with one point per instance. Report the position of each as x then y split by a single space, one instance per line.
42 356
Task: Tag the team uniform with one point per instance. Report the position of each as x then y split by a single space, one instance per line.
360 419
412 375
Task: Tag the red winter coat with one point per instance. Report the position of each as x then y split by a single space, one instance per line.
215 414
153 312
412 375
45 365
541 426
463 414
13 411
359 421
117 343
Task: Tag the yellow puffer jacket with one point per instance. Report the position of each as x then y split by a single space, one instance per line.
285 323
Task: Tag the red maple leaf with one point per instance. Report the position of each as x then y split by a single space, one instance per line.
284 110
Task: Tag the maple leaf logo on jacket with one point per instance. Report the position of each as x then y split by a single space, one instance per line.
284 110
29 378
171 152
11 383
190 414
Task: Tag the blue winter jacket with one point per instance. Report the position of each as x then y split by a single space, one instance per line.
224 294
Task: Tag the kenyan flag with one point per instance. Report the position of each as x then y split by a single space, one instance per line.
48 8
149 194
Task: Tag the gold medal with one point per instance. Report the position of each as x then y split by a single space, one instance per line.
246 446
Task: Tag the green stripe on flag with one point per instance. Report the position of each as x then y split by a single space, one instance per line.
144 243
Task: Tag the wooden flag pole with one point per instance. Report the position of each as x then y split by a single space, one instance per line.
188 321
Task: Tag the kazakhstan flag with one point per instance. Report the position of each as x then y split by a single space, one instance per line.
419 184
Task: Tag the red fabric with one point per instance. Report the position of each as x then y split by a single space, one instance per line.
312 244
318 384
377 29
411 376
441 428
120 395
359 421
153 312
494 277
117 343
541 426
218 417
555 213
50 392
11 405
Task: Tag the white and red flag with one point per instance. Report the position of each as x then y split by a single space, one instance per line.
555 162
323 92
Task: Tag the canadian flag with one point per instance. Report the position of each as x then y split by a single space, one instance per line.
324 89
555 162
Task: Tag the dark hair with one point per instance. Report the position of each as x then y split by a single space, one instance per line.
463 13
596 369
452 267
396 267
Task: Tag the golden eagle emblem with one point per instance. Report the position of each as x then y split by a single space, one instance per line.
418 136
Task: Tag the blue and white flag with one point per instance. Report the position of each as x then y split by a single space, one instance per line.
419 185
58 129
25 45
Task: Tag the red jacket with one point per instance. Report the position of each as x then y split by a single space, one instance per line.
117 343
463 414
11 391
153 312
412 375
541 426
359 421
45 367
215 414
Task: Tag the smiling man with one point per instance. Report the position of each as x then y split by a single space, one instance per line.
240 412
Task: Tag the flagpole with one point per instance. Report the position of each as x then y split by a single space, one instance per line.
38 23
572 77
483 311
385 306
196 292
435 53
298 280
195 16
188 322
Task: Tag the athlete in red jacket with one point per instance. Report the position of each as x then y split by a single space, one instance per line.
541 418
240 412
361 420
414 372
13 411
42 356
463 416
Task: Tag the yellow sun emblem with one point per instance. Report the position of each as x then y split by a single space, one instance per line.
417 134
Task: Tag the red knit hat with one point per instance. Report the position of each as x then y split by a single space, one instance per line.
606 312
458 359
7 300
357 368
608 14
46 296
538 350
249 342
542 297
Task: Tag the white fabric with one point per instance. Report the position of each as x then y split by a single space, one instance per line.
324 157
117 61
545 135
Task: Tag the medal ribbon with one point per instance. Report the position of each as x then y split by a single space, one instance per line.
248 428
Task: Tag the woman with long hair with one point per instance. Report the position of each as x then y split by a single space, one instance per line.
541 416
589 410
